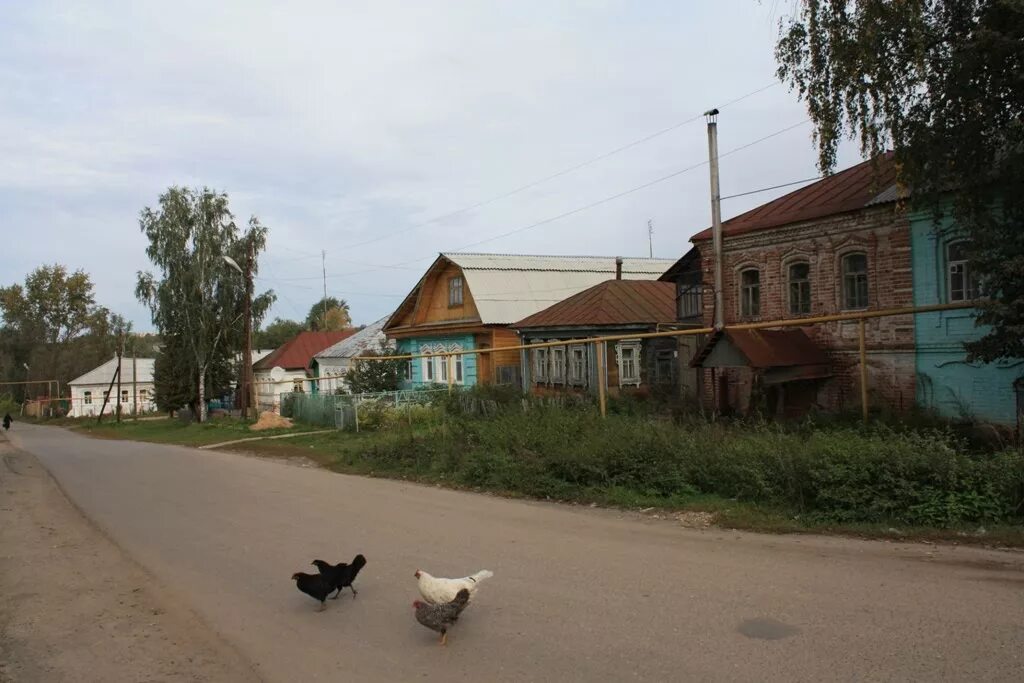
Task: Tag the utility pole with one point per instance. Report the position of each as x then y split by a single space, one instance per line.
120 352
716 216
650 238
248 386
323 263
135 388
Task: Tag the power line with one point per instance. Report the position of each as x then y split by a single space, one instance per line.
773 187
557 174
580 209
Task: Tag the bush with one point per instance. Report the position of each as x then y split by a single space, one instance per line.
840 474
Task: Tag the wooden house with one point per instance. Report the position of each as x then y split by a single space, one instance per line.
611 308
469 301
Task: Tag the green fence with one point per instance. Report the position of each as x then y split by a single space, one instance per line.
342 410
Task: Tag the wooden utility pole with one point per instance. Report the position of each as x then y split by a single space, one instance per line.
135 389
120 352
602 358
106 396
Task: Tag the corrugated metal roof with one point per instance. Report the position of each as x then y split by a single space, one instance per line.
767 348
297 353
612 302
866 184
104 373
366 339
509 287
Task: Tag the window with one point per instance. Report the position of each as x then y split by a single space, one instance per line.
688 300
540 365
558 364
458 369
428 367
408 370
799 288
664 366
87 398
750 293
124 396
143 395
963 285
455 291
297 386
577 365
628 356
855 281
106 396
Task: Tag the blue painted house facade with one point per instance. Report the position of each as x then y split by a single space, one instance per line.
946 381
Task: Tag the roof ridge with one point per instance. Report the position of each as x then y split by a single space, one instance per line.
579 256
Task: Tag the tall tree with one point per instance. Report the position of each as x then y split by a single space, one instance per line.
276 333
378 375
329 314
197 299
942 82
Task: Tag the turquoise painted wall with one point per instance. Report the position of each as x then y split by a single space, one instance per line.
417 345
946 382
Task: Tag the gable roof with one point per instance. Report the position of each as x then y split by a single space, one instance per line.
104 373
613 302
767 348
869 183
366 339
297 353
509 287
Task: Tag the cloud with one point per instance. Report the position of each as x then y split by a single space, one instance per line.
341 123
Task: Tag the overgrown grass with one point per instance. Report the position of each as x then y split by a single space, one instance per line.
174 431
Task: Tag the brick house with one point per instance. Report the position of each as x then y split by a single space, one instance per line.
839 245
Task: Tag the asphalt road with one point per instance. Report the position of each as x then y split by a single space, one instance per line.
578 594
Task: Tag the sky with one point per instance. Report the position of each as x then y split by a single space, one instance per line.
384 132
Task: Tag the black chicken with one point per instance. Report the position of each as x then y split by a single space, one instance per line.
341 575
7 421
440 617
315 586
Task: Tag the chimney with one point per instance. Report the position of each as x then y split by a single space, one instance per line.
618 267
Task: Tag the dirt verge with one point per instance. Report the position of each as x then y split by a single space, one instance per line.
73 607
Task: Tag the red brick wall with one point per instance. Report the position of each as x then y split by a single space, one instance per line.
880 233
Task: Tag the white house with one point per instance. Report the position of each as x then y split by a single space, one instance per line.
89 390
331 364
289 367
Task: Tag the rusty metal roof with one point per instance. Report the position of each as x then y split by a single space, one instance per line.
868 183
610 303
297 353
767 348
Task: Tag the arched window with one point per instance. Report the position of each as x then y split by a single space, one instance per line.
799 288
750 293
855 281
961 282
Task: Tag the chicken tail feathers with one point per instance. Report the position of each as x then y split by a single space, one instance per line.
481 575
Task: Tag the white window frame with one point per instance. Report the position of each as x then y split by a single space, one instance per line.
540 365
87 398
577 374
628 378
558 366
969 287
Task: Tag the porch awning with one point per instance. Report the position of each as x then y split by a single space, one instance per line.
785 355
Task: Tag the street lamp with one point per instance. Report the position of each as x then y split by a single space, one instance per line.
248 383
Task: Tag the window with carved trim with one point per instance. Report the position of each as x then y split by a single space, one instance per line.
627 355
960 278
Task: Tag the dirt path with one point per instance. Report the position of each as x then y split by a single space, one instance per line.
73 607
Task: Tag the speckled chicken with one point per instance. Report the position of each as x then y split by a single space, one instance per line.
440 617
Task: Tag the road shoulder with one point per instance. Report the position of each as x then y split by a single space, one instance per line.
74 607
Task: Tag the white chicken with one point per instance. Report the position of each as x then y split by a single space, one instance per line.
439 591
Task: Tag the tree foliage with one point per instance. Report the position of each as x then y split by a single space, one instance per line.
942 83
337 316
52 324
377 375
276 333
196 299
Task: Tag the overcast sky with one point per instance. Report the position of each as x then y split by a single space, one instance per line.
350 127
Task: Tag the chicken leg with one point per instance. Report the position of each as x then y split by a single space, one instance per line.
444 637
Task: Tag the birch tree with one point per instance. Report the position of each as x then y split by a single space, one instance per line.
195 297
